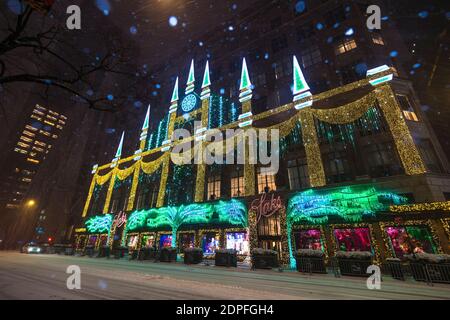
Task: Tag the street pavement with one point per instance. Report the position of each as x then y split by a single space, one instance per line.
25 276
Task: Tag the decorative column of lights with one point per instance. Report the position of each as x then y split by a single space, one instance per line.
303 101
409 155
205 96
285 239
137 158
312 148
167 144
91 191
253 233
114 166
245 120
302 96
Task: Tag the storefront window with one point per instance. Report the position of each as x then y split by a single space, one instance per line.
353 239
308 239
186 240
238 241
103 240
148 241
210 242
165 240
133 241
92 240
410 239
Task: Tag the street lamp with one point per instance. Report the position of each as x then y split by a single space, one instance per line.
30 203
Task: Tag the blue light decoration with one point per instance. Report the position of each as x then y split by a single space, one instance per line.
189 102
349 204
99 224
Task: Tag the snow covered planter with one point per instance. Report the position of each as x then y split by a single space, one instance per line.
264 259
430 267
226 258
168 254
193 255
310 261
354 263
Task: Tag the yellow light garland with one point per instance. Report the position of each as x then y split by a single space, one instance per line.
409 155
88 199
134 185
430 206
347 113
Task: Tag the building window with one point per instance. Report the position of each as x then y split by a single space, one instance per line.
213 187
344 46
279 43
266 182
404 103
410 239
237 184
410 115
428 155
269 226
298 174
336 167
311 56
377 39
381 160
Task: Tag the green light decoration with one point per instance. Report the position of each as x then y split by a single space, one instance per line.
233 212
206 79
191 77
99 224
119 148
176 216
245 78
137 220
300 84
147 119
175 92
316 207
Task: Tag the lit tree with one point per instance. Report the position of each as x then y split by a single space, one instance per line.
176 216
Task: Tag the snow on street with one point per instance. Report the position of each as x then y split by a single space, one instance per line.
25 276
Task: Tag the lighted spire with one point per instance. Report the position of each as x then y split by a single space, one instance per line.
119 149
190 85
300 84
302 96
245 79
191 78
147 119
175 92
206 80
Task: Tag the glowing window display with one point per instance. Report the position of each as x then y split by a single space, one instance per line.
148 241
165 240
410 239
353 239
92 240
308 239
133 241
186 240
238 241
103 240
210 242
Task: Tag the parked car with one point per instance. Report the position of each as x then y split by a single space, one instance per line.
32 247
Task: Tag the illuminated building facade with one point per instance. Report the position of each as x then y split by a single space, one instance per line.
353 175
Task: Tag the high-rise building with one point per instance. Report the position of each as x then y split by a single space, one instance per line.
32 148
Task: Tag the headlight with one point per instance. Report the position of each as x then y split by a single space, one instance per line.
30 249
38 249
